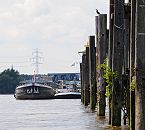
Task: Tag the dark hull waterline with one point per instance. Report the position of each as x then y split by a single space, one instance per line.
68 95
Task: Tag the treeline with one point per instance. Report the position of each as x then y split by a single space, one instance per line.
9 79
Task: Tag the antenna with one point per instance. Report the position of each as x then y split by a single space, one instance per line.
36 59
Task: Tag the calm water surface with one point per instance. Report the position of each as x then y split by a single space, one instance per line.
55 114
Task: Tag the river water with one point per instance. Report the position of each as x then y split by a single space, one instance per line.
54 114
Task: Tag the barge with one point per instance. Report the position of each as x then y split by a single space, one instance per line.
34 90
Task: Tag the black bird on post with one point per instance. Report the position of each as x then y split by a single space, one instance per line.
97 11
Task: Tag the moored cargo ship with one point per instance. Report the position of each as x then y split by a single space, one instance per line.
34 90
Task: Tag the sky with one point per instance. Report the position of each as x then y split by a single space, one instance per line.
59 29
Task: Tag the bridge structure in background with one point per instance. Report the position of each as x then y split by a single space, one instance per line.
64 76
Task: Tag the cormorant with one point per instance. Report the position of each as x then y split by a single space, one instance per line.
97 11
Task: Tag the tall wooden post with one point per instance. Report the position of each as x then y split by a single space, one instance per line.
97 56
110 48
102 51
140 65
87 85
117 61
92 68
132 64
125 82
83 77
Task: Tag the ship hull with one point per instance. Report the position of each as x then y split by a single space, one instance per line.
34 92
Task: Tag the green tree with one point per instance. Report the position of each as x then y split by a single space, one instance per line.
9 79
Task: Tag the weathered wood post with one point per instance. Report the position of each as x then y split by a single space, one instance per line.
102 51
87 85
117 61
97 56
125 82
92 71
83 77
110 47
132 64
140 65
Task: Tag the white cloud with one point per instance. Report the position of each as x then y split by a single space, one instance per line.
32 8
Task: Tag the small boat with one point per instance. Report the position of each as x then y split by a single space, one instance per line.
68 95
67 92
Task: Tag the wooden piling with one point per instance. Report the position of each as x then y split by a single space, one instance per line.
110 47
92 71
140 65
97 56
117 61
83 77
132 64
102 53
87 85
126 74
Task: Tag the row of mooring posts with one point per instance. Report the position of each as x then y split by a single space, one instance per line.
113 65
88 74
95 50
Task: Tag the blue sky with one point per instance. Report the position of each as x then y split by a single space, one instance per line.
58 28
